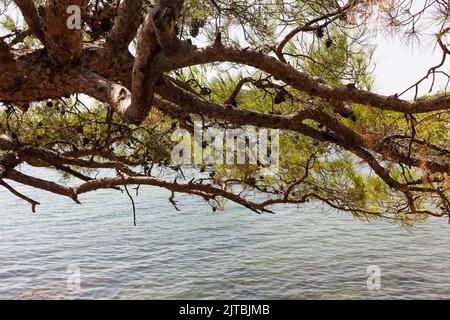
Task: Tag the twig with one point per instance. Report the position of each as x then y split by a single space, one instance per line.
21 196
134 206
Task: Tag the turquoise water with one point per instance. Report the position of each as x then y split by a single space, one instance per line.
196 254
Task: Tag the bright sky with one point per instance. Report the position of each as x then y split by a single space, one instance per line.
399 66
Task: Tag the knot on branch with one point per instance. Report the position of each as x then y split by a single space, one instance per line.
7 162
122 101
7 143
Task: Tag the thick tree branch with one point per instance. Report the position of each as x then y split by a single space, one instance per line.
42 184
126 24
31 16
64 45
345 136
151 39
310 85
117 96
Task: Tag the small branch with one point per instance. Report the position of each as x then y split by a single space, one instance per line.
21 196
173 202
132 203
310 26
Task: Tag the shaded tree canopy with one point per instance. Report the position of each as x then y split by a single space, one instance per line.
303 67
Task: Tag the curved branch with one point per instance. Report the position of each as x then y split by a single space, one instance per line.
205 191
310 85
21 196
310 26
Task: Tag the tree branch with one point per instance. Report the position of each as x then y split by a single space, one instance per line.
31 16
126 25
310 85
64 45
21 196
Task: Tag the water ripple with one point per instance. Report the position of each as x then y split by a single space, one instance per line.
302 254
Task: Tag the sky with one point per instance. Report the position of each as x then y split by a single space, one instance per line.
399 66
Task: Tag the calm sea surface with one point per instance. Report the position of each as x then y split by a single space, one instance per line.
310 253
